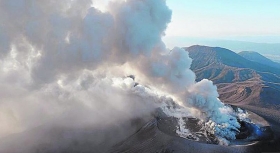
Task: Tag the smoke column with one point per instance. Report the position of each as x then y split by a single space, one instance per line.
63 63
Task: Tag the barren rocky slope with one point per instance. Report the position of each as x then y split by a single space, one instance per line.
239 80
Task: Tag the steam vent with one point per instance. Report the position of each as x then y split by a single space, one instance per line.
252 129
254 132
102 76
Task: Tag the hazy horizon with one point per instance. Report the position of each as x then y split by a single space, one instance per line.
251 25
251 20
98 76
269 50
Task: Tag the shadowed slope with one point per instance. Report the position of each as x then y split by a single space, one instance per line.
239 80
256 57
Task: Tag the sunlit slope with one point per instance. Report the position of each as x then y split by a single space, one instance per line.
239 80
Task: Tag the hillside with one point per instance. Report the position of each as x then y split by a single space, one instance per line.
257 57
239 80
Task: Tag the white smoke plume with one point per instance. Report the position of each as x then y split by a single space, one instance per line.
62 64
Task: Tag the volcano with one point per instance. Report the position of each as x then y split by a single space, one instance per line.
159 135
76 78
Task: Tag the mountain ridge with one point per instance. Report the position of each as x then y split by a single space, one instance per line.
259 58
239 80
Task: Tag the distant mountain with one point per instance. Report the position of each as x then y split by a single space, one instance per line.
257 57
239 80
254 56
275 58
271 48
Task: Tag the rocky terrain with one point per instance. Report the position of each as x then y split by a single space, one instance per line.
240 81
159 136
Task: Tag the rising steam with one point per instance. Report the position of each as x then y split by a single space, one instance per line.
64 62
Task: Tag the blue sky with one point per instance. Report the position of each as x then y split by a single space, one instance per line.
224 18
238 25
224 23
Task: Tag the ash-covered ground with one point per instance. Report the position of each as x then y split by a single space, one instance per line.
75 78
159 135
